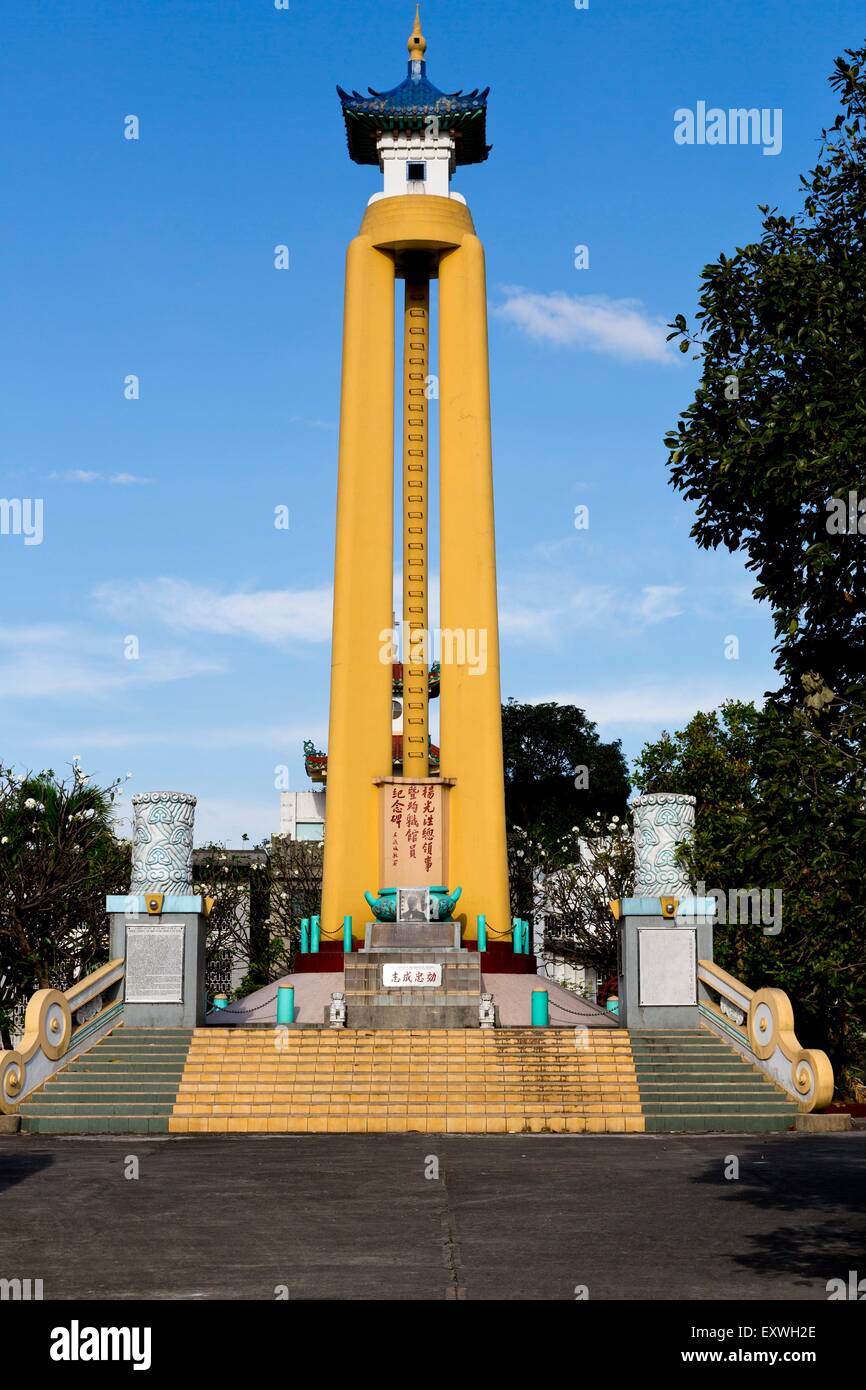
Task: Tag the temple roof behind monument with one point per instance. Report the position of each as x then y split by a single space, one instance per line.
409 107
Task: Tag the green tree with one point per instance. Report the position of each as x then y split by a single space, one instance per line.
59 857
777 428
558 771
779 808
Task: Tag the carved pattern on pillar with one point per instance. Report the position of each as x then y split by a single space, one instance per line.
162 842
662 822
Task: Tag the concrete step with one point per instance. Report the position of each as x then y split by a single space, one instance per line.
728 1122
99 1107
127 1084
739 1105
86 1123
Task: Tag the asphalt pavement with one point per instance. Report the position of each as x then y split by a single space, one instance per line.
434 1217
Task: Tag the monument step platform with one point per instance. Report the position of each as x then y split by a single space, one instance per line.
408 1081
127 1084
394 985
497 960
269 1080
693 1081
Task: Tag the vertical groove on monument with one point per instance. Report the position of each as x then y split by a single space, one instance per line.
416 358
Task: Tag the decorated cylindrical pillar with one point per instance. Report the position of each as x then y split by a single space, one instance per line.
162 842
662 822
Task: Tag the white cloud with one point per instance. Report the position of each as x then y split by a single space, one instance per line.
656 703
266 615
659 602
620 327
539 608
225 820
56 662
285 740
313 424
82 475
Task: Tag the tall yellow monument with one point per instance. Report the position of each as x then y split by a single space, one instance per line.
390 823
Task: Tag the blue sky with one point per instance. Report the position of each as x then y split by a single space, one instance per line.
155 257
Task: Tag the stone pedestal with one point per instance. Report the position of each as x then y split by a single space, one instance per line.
409 954
657 960
160 927
663 931
164 978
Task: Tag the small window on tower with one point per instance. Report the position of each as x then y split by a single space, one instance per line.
417 173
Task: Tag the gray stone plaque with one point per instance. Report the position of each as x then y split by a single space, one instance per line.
668 967
154 963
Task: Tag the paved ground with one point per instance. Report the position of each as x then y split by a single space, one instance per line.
511 992
312 993
513 995
356 1218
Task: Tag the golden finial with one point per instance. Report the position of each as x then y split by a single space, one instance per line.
417 42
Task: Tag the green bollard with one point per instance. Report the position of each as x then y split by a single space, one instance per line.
285 1004
315 935
540 1008
482 932
516 935
305 936
347 935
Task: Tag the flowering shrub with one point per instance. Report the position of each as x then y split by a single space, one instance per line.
569 880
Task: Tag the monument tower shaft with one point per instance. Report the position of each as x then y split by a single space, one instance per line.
415 231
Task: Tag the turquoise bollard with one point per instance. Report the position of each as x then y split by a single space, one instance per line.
516 935
315 935
526 938
540 1008
285 1004
347 935
482 932
305 936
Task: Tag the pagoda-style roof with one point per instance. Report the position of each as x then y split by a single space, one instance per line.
409 107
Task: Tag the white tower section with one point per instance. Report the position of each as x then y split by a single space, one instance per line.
417 162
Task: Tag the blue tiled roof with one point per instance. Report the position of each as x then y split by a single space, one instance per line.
408 107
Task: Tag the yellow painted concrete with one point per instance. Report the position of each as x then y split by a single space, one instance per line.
471 720
359 736
418 238
316 1081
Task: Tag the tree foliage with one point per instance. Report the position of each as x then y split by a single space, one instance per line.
546 749
777 428
59 857
780 806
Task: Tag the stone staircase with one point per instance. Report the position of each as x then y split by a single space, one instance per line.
472 1081
400 1081
693 1081
127 1084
